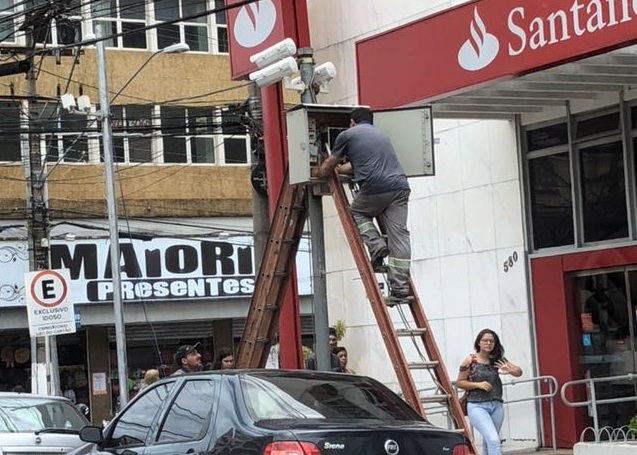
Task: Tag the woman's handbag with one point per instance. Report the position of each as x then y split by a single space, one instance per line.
463 402
465 395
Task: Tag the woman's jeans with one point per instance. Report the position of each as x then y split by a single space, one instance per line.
487 417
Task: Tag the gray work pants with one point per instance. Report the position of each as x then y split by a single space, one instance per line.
391 210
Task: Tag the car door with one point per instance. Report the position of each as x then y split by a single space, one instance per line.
130 431
185 427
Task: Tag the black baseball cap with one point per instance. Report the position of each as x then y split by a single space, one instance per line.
184 350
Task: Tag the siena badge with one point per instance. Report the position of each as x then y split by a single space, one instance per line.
480 49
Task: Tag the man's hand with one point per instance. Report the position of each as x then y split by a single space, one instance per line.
326 167
345 168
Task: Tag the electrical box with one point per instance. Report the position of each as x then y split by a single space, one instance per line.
311 126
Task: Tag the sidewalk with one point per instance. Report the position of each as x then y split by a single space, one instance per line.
521 447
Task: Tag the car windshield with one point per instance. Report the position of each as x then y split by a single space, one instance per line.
21 414
303 397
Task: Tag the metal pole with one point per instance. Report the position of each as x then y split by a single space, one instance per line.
315 211
38 228
118 308
290 353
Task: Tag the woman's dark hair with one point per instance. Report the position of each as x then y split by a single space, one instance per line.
338 349
498 350
222 354
362 114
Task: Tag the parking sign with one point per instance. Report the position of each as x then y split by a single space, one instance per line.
50 310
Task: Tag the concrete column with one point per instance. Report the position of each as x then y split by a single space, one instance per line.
98 362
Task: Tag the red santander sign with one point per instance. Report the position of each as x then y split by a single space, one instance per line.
256 25
487 40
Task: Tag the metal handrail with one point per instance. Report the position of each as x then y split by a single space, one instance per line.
551 381
553 386
592 401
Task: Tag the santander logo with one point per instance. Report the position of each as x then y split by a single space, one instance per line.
255 23
480 49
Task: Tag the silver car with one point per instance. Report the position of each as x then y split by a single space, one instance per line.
38 425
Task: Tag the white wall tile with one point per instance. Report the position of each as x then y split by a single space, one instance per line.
454 284
426 278
451 224
479 221
507 213
475 154
459 337
513 287
422 187
483 283
503 151
422 222
447 158
492 322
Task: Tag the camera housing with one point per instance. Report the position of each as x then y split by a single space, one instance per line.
324 73
279 51
274 72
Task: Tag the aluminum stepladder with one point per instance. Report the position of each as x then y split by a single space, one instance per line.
279 255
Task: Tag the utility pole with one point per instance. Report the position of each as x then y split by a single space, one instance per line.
315 209
107 141
43 351
260 214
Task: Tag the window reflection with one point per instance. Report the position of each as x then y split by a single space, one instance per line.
188 416
603 192
551 200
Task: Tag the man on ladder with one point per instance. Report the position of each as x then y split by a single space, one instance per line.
384 194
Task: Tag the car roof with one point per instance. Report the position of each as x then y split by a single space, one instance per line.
310 374
31 396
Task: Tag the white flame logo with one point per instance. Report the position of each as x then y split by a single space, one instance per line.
255 23
479 50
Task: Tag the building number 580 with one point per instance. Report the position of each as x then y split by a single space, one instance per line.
511 260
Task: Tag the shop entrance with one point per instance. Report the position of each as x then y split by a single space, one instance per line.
607 306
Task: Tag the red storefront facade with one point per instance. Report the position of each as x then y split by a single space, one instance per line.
504 59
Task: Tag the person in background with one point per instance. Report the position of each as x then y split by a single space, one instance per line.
187 359
150 376
479 375
384 194
224 360
341 355
310 363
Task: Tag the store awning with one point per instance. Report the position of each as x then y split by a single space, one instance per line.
590 79
497 58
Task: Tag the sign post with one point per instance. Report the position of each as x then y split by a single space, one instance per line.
49 309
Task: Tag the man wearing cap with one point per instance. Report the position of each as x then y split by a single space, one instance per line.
187 359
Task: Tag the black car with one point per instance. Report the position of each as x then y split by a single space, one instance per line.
269 412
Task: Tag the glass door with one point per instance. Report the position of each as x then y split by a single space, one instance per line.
607 304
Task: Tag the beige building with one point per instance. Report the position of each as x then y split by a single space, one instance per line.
183 163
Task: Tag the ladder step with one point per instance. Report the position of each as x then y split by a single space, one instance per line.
410 332
434 399
423 365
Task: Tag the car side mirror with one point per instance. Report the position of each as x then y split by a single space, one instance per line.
92 434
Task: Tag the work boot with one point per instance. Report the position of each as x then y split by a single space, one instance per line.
399 293
378 258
